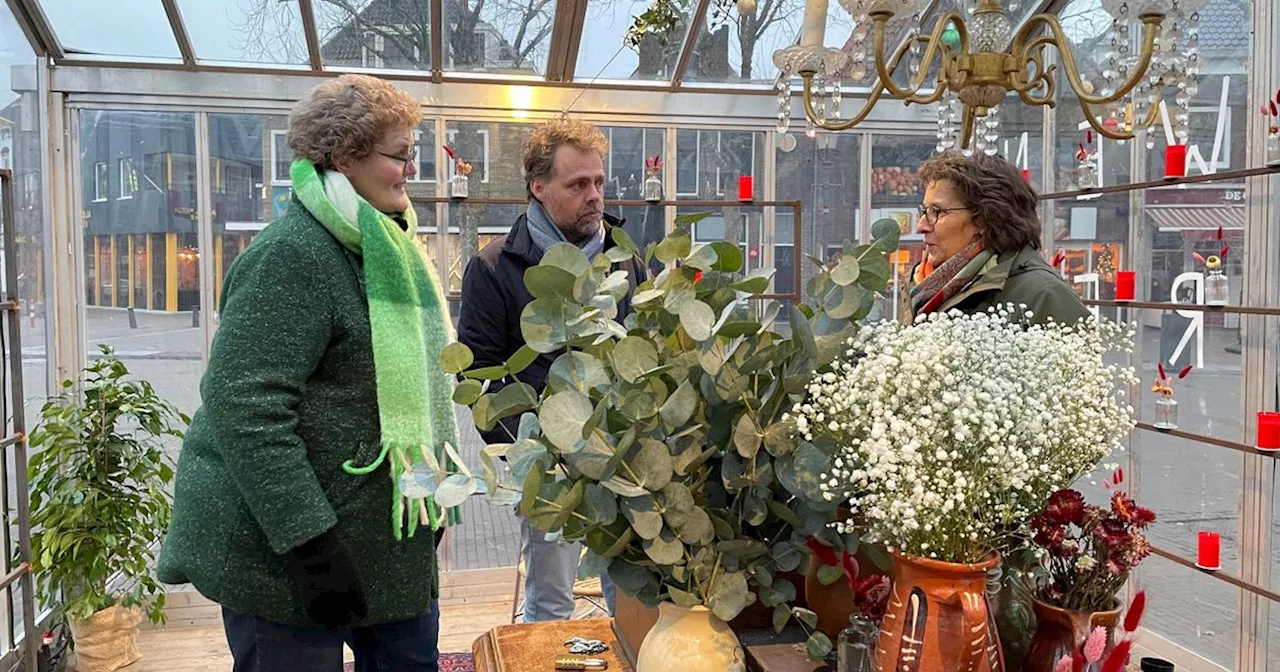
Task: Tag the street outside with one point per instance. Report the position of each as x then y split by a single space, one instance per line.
1192 487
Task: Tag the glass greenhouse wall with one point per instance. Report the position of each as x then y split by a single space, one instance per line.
146 140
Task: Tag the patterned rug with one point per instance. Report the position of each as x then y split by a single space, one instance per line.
449 662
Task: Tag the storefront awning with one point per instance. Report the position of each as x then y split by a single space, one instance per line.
1196 218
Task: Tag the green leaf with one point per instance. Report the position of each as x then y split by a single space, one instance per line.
664 549
486 373
809 465
746 436
677 298
801 332
577 371
532 486
549 282
728 256
703 258
604 505
638 404
562 416
691 218
697 317
829 574
780 438
521 359
680 406
754 511
677 504
467 392
633 357
623 487
523 454
628 576
673 247
597 460
567 257
756 282
512 399
878 557
644 518
805 616
875 267
683 598
784 513
786 555
652 465
885 234
697 529
620 544
455 358
591 565
617 255
818 646
482 413
455 489
547 324
846 272
646 296
781 614
623 240
728 595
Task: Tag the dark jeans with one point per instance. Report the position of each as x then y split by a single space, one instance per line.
263 646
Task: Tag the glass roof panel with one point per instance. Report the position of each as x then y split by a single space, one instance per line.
384 34
602 55
739 49
130 28
510 37
261 31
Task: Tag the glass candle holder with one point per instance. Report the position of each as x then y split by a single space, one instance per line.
653 189
1216 288
459 186
856 645
1166 413
1087 173
1273 146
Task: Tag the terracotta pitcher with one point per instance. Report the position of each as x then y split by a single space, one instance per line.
1059 631
939 619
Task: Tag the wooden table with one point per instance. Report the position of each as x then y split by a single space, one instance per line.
533 647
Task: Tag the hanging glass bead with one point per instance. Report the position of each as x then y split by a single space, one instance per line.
1151 137
810 129
835 100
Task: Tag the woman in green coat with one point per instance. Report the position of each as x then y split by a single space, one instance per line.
982 241
300 503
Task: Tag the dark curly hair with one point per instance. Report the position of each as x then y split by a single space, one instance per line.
1002 204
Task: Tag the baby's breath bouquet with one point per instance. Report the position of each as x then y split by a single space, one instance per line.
953 431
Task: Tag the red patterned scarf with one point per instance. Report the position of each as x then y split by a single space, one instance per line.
935 286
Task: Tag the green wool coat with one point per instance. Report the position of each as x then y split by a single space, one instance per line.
289 396
1022 277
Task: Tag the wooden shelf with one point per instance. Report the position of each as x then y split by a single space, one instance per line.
1217 574
1156 184
1161 305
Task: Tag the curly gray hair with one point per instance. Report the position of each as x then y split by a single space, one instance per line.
345 117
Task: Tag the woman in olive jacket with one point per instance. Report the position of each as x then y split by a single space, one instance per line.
288 471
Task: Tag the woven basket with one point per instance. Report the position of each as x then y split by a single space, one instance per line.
107 640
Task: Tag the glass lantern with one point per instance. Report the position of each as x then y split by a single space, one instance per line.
1216 285
653 189
459 186
1273 146
1166 413
856 645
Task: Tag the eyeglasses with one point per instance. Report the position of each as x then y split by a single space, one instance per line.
404 160
932 213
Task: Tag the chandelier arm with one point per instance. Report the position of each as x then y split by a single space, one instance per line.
1031 54
876 91
1148 122
933 41
1151 26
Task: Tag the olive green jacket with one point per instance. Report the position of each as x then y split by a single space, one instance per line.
1022 277
288 397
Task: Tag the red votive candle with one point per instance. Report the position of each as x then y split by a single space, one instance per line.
744 188
1175 161
1125 281
1207 556
1268 430
1026 175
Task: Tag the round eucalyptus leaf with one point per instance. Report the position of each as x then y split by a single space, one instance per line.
638 404
628 576
746 436
697 529
886 234
545 282
645 296
456 358
703 258
467 392
652 465
697 317
809 464
577 371
547 324
521 359
841 302
455 489
680 406
786 555
633 357
677 298
664 549
754 511
604 504
875 269
677 504
417 482
780 438
728 595
623 241
523 454
756 282
512 399
567 257
591 565
562 416
597 460
818 646
683 598
829 574
846 272
644 518
623 487
728 256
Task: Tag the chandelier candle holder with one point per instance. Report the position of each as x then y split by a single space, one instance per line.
653 183
1166 405
460 182
969 65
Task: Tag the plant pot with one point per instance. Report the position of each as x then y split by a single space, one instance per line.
938 618
1060 631
833 603
107 640
690 639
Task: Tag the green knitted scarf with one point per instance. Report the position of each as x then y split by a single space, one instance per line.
410 327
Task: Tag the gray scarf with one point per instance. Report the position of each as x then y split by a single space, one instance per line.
545 233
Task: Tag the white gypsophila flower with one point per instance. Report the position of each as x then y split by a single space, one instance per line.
952 431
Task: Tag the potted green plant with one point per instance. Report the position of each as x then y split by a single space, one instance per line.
99 504
661 443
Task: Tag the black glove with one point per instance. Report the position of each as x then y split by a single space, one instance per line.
325 575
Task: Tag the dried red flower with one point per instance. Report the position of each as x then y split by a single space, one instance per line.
1183 373
1118 657
1123 506
1066 506
1134 615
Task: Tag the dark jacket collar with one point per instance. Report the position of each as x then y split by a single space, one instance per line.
1007 266
520 242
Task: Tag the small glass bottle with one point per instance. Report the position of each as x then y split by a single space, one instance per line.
1216 285
653 189
459 186
856 645
1273 146
1166 413
1087 173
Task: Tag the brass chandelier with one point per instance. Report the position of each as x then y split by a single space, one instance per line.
969 66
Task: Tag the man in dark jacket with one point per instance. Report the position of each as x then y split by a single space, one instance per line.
564 179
